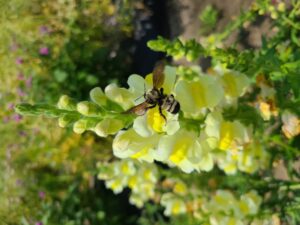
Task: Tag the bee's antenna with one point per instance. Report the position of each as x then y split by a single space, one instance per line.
138 98
143 94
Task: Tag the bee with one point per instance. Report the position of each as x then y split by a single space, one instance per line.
156 97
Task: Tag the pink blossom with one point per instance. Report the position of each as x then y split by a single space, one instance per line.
44 51
17 117
28 82
42 195
10 106
5 119
19 61
44 30
14 47
20 92
20 76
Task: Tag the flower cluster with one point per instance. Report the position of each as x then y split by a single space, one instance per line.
217 208
224 208
194 139
199 136
174 201
275 8
140 178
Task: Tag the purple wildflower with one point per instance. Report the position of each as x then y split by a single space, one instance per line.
20 92
28 82
44 30
14 47
39 223
17 117
5 119
42 195
44 51
20 76
36 130
19 182
10 106
19 61
22 133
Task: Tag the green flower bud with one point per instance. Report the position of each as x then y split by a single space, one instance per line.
80 126
88 109
66 120
65 102
160 44
281 7
108 126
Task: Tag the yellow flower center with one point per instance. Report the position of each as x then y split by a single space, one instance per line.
125 169
226 136
141 153
179 151
180 188
199 98
116 184
132 181
147 174
176 208
155 120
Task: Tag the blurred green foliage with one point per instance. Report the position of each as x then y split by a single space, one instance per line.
209 19
50 47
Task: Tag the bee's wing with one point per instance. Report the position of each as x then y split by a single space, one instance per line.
158 74
139 109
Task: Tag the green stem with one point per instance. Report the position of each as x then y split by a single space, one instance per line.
291 23
248 16
290 187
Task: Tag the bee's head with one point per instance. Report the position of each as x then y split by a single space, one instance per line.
152 96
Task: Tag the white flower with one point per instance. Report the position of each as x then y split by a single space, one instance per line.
130 144
196 96
184 150
173 204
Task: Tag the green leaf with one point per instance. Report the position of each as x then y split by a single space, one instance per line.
60 75
246 114
92 80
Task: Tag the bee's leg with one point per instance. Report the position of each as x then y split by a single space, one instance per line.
161 91
161 113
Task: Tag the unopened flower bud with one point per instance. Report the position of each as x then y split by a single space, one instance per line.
65 120
80 126
88 108
108 126
65 102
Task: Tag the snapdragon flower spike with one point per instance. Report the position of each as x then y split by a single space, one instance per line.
185 144
192 140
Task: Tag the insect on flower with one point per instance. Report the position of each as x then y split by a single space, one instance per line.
156 97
